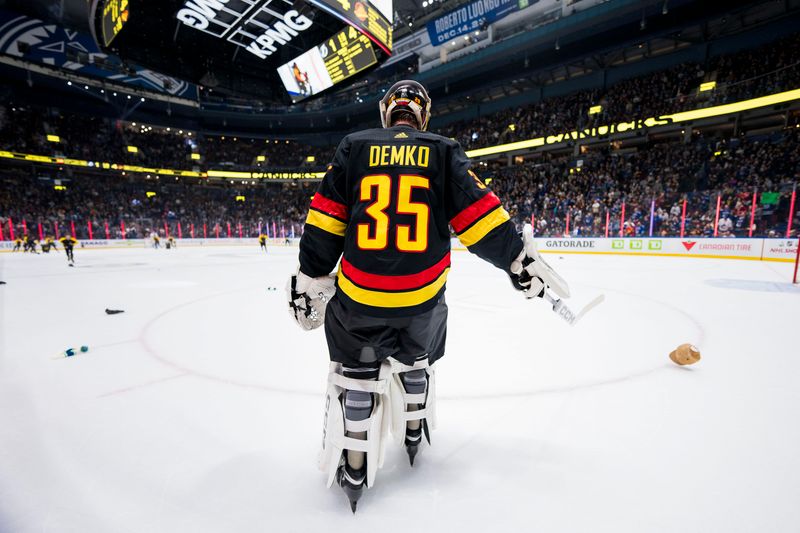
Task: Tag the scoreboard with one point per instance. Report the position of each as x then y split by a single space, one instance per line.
242 44
366 17
114 16
343 55
346 54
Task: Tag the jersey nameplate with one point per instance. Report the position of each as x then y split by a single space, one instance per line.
404 155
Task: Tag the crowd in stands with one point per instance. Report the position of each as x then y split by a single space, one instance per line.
563 195
766 70
134 207
757 72
657 180
25 129
244 153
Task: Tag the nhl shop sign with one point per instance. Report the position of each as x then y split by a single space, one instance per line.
259 26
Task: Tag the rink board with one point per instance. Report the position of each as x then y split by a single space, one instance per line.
7 246
781 250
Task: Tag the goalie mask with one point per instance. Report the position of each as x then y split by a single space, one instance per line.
406 95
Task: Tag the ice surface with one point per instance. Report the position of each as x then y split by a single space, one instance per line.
199 409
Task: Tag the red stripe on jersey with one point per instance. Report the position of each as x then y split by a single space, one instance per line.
395 283
474 212
326 205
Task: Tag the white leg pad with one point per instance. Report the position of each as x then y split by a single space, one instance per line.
335 442
400 398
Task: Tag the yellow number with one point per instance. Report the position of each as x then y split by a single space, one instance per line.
383 184
377 188
406 207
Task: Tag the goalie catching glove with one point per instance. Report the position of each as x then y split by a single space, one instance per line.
531 274
308 298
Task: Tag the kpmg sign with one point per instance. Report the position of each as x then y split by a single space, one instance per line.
468 18
259 26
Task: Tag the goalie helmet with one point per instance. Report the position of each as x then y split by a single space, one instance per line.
406 95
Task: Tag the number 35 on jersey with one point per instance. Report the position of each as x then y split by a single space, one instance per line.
376 190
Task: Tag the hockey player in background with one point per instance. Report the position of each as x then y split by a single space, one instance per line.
385 207
69 243
29 245
262 241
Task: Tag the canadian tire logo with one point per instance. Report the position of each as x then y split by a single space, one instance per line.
688 245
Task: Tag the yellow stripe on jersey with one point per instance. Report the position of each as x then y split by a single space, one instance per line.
479 230
391 299
323 221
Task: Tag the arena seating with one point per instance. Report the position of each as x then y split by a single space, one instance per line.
573 195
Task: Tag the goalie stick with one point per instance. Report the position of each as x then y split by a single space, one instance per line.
561 309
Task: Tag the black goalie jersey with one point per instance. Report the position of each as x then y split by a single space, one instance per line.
385 206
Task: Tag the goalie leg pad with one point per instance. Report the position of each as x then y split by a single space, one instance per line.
355 406
415 385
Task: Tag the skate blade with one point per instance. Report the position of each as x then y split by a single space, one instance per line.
412 453
353 495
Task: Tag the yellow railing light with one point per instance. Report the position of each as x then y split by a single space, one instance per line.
310 159
133 149
54 138
196 156
512 127
708 86
595 109
150 194
240 198
261 158
229 174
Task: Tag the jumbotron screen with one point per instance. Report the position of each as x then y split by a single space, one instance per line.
343 55
242 45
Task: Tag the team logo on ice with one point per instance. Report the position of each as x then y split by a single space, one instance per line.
688 245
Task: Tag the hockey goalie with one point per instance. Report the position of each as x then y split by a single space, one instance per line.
382 218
